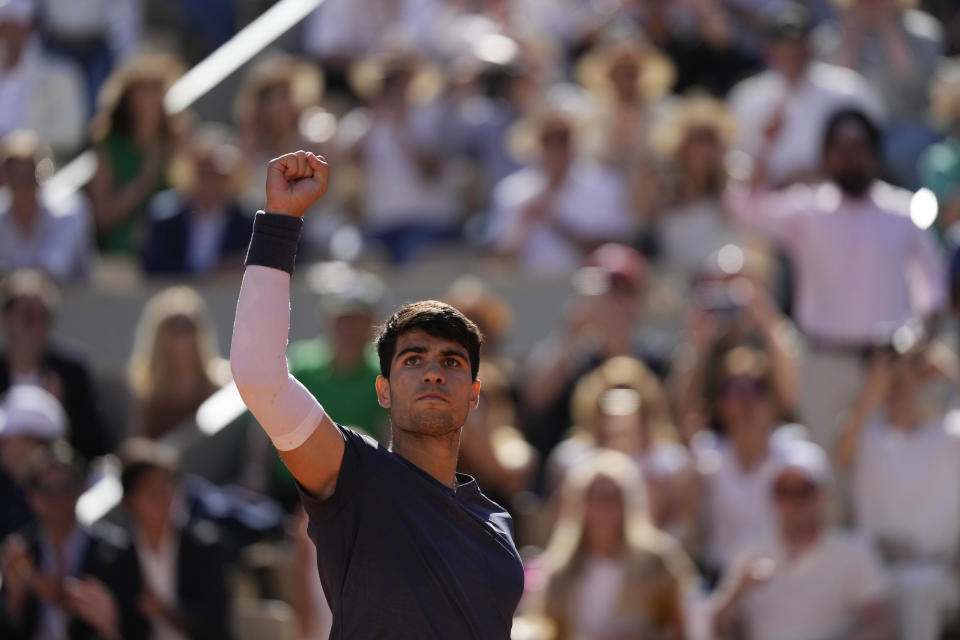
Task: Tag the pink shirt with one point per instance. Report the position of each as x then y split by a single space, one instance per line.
863 268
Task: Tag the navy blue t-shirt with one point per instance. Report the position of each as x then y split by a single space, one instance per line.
401 555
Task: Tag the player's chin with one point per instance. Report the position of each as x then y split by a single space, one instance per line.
436 421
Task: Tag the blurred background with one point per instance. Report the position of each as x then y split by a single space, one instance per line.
711 245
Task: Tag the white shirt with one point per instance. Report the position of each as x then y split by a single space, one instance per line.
737 500
690 233
815 596
863 268
596 596
907 485
808 105
159 569
59 242
591 203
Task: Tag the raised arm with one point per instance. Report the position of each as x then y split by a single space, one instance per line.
308 441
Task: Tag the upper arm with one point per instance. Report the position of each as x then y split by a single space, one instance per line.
316 463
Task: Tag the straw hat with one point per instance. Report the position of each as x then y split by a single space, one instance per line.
656 73
696 111
305 80
367 76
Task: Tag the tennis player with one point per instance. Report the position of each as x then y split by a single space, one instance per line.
406 546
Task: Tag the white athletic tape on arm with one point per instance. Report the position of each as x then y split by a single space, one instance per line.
283 406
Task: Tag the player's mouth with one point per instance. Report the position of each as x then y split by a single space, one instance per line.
433 397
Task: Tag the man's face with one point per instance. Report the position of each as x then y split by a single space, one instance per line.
850 160
431 389
20 175
353 330
799 502
789 56
745 407
27 325
54 496
151 499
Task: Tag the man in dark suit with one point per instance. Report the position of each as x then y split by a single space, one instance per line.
29 304
197 227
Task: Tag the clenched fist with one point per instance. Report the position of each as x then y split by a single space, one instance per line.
294 182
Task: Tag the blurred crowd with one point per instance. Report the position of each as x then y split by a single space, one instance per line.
777 181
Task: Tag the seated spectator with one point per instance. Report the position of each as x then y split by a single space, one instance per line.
29 305
629 78
906 487
805 579
198 227
600 323
611 573
549 215
37 232
30 420
37 91
621 406
409 196
179 583
55 572
898 275
491 313
135 139
736 466
689 222
897 50
939 165
174 366
787 106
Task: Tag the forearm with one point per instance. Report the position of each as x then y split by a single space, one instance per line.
845 449
781 342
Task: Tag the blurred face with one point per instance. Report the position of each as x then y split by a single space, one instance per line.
701 152
431 388
178 342
53 497
211 182
623 74
27 326
351 331
145 101
556 146
151 499
849 159
907 376
799 503
15 454
20 175
276 110
14 36
745 409
604 516
789 57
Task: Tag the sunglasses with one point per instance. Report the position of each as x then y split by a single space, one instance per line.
743 388
795 492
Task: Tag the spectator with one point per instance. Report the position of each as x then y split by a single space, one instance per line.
179 582
30 419
36 231
939 165
135 139
863 267
897 50
786 107
690 222
621 406
906 470
540 212
93 34
174 366
611 573
29 303
199 227
341 370
409 198
805 579
600 323
267 110
54 572
629 79
491 313
37 92
736 465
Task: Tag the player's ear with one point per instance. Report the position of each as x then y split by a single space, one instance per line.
475 395
383 392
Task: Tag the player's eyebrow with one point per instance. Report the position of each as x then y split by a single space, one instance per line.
455 352
413 349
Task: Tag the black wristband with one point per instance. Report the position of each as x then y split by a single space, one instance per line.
274 241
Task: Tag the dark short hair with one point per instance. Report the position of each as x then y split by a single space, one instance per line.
57 454
140 455
856 116
434 318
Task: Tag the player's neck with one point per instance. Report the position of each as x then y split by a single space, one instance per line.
436 455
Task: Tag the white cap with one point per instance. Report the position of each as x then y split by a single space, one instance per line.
22 11
805 458
33 412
